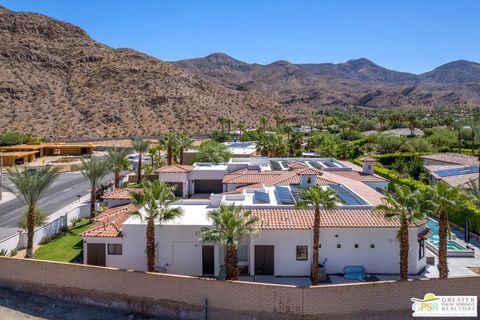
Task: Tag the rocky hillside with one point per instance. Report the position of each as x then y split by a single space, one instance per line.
55 81
357 82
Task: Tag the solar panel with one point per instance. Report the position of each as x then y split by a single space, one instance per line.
276 165
347 196
316 164
457 171
284 195
261 196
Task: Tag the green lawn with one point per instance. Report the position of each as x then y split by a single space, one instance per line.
66 248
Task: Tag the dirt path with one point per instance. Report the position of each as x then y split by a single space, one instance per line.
16 305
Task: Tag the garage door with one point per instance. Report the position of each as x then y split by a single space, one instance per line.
178 188
208 186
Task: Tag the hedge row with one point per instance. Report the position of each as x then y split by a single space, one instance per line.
471 212
387 159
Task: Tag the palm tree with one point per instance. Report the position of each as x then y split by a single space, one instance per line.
263 145
212 151
474 190
404 204
263 122
30 187
295 144
381 120
94 170
155 154
230 223
140 146
442 201
183 142
156 199
222 123
241 129
288 130
412 123
316 196
229 123
169 142
118 160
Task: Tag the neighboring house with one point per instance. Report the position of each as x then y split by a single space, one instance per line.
25 153
244 149
352 234
406 132
457 170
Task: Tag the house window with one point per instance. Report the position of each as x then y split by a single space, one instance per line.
339 245
302 253
242 253
356 246
309 180
372 246
421 248
115 249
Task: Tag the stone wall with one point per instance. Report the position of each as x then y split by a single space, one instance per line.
193 298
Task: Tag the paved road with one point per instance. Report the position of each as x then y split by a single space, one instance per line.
61 193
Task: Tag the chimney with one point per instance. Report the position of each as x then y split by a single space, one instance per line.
368 165
308 180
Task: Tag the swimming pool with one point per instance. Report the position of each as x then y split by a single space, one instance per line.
454 249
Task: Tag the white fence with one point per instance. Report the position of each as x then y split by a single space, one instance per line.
56 222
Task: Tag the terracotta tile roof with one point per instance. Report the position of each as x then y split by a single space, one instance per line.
120 194
254 176
297 165
175 168
454 158
295 219
359 176
308 171
109 223
425 234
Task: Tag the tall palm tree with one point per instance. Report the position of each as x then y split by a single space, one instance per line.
30 186
229 123
118 160
94 170
154 153
263 122
442 201
317 197
140 146
406 205
288 130
241 129
230 223
156 199
170 143
184 142
222 123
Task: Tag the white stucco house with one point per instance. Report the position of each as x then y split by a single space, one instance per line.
352 234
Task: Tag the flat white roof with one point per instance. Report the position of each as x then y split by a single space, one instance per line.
193 215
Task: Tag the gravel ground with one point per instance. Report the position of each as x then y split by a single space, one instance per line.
16 305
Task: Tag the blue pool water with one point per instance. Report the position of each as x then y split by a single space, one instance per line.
451 245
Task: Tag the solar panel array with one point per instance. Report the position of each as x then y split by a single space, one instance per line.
457 171
261 196
347 196
284 195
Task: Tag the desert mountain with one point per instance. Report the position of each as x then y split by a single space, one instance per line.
55 81
357 82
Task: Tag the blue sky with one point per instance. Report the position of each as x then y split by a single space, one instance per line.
406 35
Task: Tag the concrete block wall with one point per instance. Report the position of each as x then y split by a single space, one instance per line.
193 298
